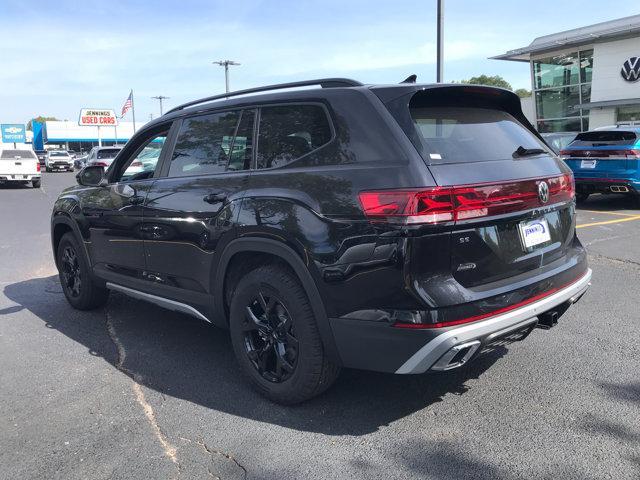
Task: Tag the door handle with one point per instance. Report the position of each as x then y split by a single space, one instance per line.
215 197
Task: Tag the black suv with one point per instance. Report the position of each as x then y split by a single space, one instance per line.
398 228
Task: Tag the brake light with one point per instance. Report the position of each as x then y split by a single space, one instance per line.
465 202
37 166
100 164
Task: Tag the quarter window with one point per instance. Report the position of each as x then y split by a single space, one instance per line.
289 132
203 145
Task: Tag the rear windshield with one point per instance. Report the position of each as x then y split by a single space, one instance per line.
13 154
595 139
462 134
59 154
108 153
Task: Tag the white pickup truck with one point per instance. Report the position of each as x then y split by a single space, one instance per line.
19 166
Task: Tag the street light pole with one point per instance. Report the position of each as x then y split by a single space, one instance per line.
440 42
160 98
225 64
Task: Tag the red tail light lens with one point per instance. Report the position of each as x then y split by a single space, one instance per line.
446 204
100 164
38 166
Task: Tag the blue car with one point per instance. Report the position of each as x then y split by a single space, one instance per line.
605 161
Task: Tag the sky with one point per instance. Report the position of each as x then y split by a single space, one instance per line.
58 56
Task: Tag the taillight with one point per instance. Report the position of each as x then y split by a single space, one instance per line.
100 164
37 166
465 202
629 153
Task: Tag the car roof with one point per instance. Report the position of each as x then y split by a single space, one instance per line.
384 91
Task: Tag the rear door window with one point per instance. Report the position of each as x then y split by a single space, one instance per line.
604 138
289 132
106 153
203 145
464 134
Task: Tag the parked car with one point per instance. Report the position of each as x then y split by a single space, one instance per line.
19 166
605 161
102 156
401 229
559 140
42 157
58 160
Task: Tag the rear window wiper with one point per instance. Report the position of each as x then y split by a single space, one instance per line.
525 152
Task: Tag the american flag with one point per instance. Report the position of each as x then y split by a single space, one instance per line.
127 104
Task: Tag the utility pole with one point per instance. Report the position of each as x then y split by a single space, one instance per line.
225 64
440 42
160 98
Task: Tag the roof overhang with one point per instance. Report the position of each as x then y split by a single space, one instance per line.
613 29
608 104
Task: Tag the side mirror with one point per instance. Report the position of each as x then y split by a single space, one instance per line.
91 176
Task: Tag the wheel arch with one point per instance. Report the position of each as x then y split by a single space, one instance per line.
287 255
60 225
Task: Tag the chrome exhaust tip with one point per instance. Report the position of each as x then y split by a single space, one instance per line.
619 189
456 356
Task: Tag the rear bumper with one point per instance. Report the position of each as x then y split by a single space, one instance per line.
376 346
18 177
607 185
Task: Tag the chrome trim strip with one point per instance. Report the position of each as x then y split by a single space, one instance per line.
160 301
423 359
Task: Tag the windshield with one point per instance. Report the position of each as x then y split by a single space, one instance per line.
462 135
59 154
13 154
108 153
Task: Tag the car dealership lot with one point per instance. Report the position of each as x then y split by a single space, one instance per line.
135 391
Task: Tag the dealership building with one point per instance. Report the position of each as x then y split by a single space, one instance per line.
584 78
71 136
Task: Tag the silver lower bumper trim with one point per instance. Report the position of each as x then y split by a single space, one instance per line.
427 356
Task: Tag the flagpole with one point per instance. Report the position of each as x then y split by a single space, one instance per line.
133 112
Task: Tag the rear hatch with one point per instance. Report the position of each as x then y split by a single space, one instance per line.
15 164
507 197
606 154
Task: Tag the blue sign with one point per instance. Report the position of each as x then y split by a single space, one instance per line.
13 132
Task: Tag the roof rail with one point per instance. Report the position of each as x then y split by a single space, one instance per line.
323 82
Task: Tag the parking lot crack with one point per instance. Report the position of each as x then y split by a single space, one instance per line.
605 258
169 450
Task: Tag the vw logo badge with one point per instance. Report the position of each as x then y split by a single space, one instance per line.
543 192
631 69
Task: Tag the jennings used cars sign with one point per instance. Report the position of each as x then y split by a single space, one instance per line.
12 132
97 117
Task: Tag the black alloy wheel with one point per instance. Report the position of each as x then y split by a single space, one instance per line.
269 338
71 274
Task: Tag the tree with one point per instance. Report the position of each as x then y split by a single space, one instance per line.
40 119
523 92
494 81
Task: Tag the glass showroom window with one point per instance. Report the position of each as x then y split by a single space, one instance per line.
562 82
628 114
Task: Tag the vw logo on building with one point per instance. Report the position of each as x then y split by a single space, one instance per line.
543 192
631 69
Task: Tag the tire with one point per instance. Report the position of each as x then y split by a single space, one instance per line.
75 276
35 183
581 197
295 338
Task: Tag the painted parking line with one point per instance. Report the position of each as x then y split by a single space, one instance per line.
610 213
608 222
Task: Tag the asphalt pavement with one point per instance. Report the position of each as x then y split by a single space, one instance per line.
133 391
